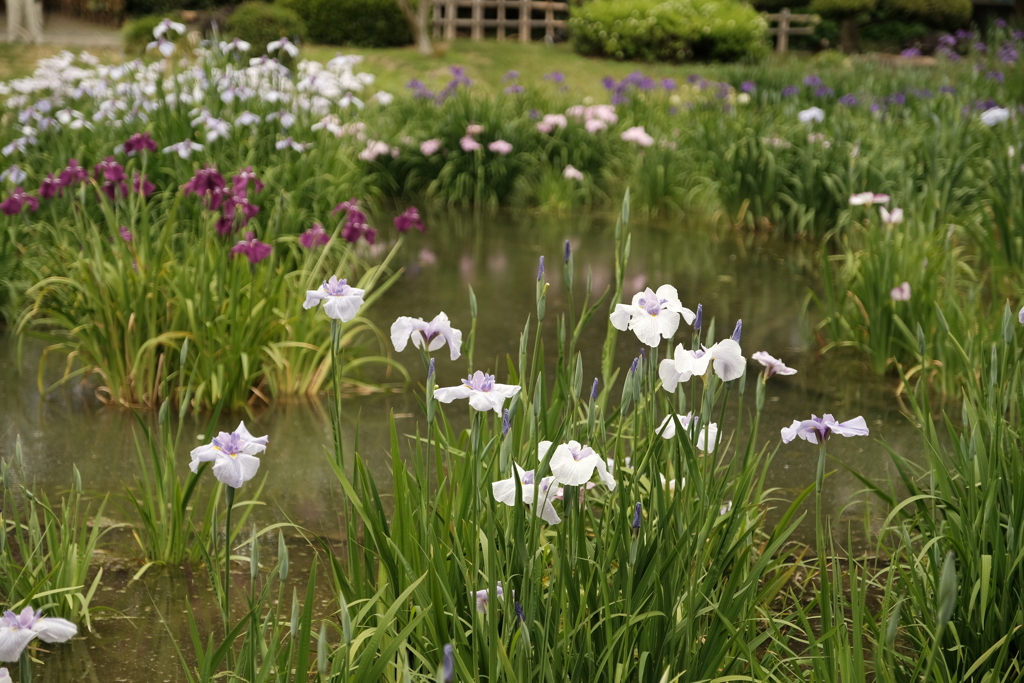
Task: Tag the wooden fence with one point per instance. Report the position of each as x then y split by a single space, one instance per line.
785 27
507 17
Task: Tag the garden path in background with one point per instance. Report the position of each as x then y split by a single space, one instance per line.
71 32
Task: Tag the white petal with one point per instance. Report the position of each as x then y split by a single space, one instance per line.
401 330
729 362
670 376
668 323
667 428
53 630
645 326
343 308
313 296
13 641
621 316
449 394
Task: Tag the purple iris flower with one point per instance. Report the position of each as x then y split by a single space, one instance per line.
748 86
824 91
410 218
139 142
947 41
1008 54
74 173
314 237
812 81
50 187
506 422
240 183
819 429
996 76
790 90
109 170
947 89
608 82
698 321
142 185
692 78
17 201
514 89
510 75
849 99
737 331
253 249
593 388
208 183
540 269
356 223
669 83
980 47
910 52
448 664
637 517
555 77
126 234
341 302
237 212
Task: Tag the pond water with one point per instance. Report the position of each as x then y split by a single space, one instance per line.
734 275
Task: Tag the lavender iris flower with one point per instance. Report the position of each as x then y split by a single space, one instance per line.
341 302
540 269
748 86
18 630
652 315
519 615
431 336
637 517
555 77
819 429
705 435
506 422
698 321
725 358
481 390
538 494
448 665
812 80
790 90
573 464
737 331
593 389
772 365
233 456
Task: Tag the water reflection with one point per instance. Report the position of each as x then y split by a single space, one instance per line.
733 275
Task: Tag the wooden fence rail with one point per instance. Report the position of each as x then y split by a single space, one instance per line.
518 17
785 29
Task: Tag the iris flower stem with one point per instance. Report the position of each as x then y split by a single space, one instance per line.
335 405
825 594
25 667
229 498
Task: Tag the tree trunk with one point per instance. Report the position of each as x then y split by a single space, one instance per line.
848 35
419 23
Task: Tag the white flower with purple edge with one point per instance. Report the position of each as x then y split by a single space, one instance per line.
890 219
900 292
184 148
819 429
5 675
667 430
504 491
725 358
285 45
483 598
341 302
167 25
573 464
482 391
232 454
18 630
652 315
811 115
868 199
772 365
572 173
432 335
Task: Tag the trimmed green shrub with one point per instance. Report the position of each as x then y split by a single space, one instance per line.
947 14
362 23
668 30
260 23
893 34
842 8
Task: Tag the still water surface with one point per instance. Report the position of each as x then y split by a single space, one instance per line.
766 283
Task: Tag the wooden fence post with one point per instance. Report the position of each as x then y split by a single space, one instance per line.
782 45
501 19
525 20
476 31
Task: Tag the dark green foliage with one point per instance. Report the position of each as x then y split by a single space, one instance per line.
668 31
939 13
893 34
842 8
260 23
363 23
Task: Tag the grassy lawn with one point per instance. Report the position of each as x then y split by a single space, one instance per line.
487 61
